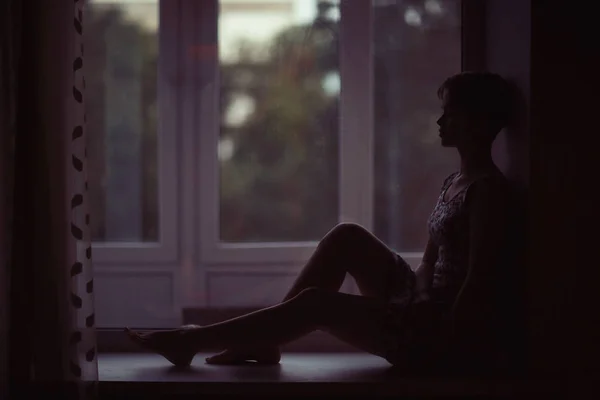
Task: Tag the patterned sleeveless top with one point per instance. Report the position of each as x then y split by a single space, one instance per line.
413 333
449 229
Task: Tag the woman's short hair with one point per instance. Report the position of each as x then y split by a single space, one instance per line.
481 94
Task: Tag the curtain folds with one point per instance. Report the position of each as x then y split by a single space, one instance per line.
9 45
51 335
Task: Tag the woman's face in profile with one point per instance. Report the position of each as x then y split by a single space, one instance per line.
453 124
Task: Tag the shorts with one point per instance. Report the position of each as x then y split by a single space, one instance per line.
412 327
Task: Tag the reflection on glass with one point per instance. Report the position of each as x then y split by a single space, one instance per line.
417 46
278 145
121 51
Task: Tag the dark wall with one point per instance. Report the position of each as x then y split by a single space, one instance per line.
507 52
563 261
507 49
546 48
542 46
5 173
3 288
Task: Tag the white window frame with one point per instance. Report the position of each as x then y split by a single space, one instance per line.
188 99
356 149
168 86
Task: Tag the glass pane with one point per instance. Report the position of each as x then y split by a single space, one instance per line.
417 45
121 52
278 147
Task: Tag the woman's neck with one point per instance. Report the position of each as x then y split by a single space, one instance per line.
476 162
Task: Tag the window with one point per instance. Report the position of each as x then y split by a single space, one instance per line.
129 121
278 139
416 45
228 136
269 149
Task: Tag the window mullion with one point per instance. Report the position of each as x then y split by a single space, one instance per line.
356 113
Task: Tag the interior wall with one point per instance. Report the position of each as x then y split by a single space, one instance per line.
3 277
542 47
563 202
508 49
5 173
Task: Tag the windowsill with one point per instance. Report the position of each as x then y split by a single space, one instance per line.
315 364
138 375
132 375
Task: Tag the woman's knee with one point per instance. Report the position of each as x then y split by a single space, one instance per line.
355 245
340 244
346 232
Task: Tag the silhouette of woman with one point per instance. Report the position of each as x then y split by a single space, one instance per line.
409 318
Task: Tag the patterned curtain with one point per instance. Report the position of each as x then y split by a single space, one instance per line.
82 340
51 315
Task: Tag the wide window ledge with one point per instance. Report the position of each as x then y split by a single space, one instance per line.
334 374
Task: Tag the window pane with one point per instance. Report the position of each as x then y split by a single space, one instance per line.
278 147
121 91
417 46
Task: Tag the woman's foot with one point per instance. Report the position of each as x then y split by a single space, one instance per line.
169 344
264 356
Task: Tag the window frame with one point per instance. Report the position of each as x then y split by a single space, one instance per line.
356 142
356 139
169 79
181 86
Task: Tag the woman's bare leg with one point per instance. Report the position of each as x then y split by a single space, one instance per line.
346 249
357 320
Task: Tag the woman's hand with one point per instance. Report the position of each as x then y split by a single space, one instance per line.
424 272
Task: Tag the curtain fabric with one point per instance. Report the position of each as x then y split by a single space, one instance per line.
82 340
51 319
9 44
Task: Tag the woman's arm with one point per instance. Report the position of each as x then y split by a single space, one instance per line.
487 229
424 271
